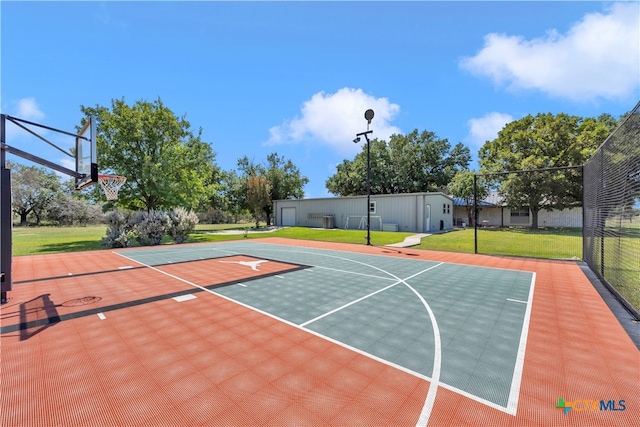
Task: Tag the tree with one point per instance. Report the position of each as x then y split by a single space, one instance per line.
32 189
232 196
258 189
165 163
283 177
285 181
410 163
462 186
537 142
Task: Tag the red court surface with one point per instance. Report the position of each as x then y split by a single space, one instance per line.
212 361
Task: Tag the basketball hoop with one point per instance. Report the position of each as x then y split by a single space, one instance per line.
111 184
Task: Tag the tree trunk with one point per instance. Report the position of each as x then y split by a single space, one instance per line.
23 218
534 218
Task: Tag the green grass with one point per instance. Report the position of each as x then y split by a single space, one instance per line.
48 240
551 244
218 227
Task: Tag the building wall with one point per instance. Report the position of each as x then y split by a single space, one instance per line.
408 211
501 217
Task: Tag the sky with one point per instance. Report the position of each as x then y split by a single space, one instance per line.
296 77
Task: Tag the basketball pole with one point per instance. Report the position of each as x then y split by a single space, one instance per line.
6 226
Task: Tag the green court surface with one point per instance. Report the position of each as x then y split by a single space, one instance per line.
461 326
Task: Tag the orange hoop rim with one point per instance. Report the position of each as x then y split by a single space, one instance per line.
111 184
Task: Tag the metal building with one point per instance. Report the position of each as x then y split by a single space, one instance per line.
412 212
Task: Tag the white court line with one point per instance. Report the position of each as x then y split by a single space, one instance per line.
186 297
101 316
125 267
279 277
241 284
517 300
514 392
167 274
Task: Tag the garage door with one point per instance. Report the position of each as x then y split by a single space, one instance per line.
289 216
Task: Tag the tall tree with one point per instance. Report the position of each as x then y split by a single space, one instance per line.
165 163
258 189
543 141
410 163
32 190
285 181
284 178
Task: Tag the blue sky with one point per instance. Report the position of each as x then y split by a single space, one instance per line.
296 77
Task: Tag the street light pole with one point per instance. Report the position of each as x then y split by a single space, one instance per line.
368 115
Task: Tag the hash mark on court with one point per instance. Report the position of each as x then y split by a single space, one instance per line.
186 297
517 300
102 316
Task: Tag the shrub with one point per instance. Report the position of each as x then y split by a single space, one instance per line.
119 230
150 227
180 224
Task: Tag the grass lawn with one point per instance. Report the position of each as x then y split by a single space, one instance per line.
48 240
552 244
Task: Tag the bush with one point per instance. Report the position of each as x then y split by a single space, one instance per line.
149 227
67 210
181 224
119 230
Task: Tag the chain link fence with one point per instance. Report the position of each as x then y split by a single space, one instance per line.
532 213
612 212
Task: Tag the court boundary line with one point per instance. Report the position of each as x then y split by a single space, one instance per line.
516 381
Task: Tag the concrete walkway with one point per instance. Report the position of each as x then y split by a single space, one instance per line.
410 241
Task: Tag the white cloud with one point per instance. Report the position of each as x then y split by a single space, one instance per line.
27 108
335 119
599 57
486 128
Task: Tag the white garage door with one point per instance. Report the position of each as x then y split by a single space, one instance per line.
289 216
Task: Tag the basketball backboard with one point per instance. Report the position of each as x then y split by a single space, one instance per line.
86 155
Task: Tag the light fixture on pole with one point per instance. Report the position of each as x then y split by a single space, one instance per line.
368 115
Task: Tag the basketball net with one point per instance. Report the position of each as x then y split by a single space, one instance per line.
111 184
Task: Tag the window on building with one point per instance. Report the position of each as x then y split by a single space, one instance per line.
372 207
522 212
444 208
448 208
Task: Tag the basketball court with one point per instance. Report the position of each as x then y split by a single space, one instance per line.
284 332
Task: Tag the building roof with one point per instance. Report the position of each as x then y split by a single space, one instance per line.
492 200
430 193
459 201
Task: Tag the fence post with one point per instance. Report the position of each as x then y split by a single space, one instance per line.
475 213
